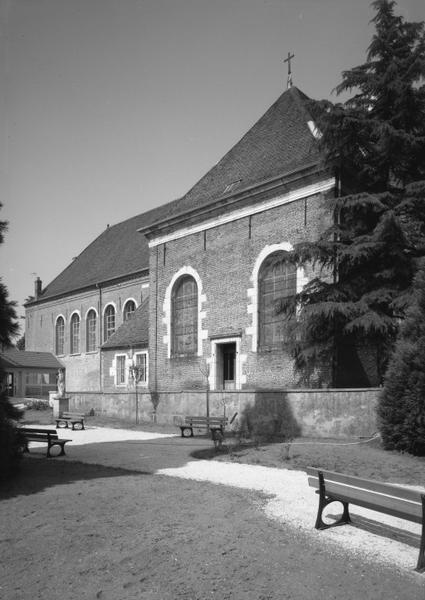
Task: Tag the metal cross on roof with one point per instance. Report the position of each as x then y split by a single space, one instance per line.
288 60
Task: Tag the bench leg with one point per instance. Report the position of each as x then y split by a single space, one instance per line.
217 436
62 447
421 559
184 428
79 423
324 500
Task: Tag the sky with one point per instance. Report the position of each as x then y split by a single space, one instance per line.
109 108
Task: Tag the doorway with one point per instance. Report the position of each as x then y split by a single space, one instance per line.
10 384
226 366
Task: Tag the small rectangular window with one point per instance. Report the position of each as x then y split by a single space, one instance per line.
141 364
120 369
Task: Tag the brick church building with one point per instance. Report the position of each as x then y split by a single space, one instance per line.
186 291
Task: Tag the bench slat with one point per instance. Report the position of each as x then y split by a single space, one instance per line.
359 482
72 415
390 505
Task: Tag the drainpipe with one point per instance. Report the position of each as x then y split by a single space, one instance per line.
156 322
100 335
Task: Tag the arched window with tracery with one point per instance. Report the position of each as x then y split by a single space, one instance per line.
277 280
60 336
129 308
184 316
75 333
91 330
108 322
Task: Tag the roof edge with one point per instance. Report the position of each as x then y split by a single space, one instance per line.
240 195
86 288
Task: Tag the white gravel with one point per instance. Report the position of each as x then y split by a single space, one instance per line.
290 501
293 503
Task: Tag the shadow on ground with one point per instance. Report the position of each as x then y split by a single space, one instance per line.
36 474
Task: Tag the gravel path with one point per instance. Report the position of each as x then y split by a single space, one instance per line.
381 538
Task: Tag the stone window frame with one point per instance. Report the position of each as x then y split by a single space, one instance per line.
118 370
63 335
281 283
192 311
145 382
75 333
124 313
252 292
88 348
167 309
108 331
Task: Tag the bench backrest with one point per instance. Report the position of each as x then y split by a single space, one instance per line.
71 415
39 433
390 499
206 420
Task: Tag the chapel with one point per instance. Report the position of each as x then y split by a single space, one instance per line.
186 292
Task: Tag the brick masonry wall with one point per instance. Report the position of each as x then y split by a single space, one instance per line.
224 258
82 369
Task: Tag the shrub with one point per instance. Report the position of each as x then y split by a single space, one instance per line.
10 440
401 406
37 404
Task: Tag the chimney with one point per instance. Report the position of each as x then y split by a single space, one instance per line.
37 288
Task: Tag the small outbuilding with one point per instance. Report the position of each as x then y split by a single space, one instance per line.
29 374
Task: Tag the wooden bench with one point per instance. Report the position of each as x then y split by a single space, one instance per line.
213 424
68 417
389 499
32 434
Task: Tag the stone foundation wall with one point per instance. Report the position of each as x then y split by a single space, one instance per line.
319 413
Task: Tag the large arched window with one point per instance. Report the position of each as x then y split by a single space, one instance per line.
60 336
184 317
75 333
129 308
277 280
108 322
91 326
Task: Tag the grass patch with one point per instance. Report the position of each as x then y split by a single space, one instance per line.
352 456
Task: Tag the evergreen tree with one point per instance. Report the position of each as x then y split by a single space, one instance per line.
9 439
401 406
366 260
20 344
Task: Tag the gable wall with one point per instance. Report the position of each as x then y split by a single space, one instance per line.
225 267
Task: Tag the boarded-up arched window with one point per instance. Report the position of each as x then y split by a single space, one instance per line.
60 336
75 334
91 326
185 317
277 280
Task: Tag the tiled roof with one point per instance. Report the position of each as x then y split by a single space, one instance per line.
118 251
134 331
24 358
281 141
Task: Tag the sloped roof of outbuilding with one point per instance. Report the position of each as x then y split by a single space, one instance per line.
13 357
281 141
133 332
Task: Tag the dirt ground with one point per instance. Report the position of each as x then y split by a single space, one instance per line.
73 530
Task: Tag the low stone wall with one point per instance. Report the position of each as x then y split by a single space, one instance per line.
320 413
125 405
